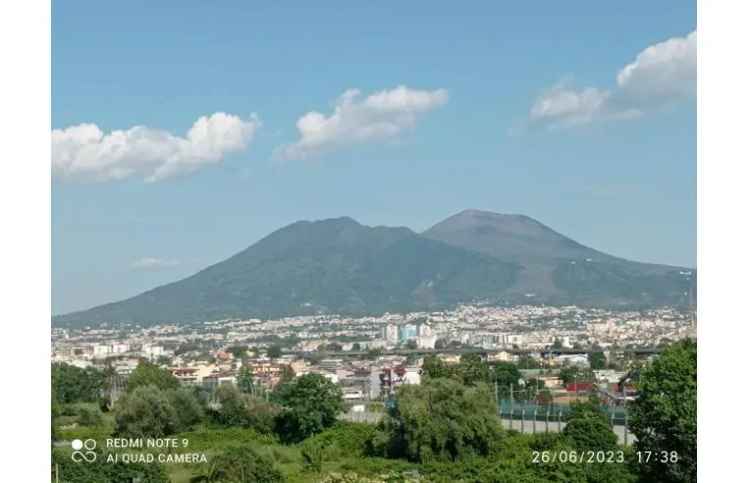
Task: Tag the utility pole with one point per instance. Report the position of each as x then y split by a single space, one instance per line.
511 406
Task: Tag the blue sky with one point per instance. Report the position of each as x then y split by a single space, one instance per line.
513 108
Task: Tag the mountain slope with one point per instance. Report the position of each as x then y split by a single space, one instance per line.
557 269
334 265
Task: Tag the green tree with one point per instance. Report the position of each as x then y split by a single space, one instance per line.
506 374
310 403
473 369
240 464
89 415
187 406
149 374
440 419
245 381
55 413
243 410
528 362
232 410
587 427
664 415
238 351
575 374
274 352
597 360
71 384
145 412
434 367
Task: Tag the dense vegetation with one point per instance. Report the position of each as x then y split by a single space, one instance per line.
444 430
71 384
665 416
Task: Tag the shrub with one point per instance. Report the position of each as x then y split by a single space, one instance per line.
587 427
71 384
99 471
311 403
146 412
243 410
345 439
90 416
313 454
440 419
188 409
148 374
240 464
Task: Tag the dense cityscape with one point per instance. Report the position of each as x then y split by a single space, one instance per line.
343 348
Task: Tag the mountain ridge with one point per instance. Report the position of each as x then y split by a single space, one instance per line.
338 265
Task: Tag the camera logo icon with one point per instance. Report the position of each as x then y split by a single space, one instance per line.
83 450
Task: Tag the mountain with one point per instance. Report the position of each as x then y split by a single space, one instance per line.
335 265
340 266
557 269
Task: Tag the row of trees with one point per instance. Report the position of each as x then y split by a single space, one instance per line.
156 406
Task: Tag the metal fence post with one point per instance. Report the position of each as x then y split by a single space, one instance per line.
511 406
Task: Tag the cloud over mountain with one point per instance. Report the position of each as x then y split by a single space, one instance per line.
153 263
356 120
85 152
663 73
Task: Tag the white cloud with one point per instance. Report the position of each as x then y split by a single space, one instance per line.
153 263
568 105
84 152
380 116
662 73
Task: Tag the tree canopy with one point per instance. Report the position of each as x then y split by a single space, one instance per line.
145 412
597 360
274 351
587 427
240 465
440 419
149 374
310 403
71 384
664 415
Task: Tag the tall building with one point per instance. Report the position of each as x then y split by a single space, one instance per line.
407 332
390 333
